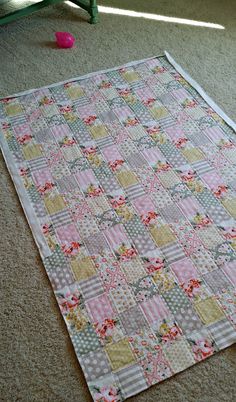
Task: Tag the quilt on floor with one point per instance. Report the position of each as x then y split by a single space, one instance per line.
131 180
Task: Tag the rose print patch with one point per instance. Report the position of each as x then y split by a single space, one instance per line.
127 178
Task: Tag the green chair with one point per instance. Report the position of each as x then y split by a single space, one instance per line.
90 6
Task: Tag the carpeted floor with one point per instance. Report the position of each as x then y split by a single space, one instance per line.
37 360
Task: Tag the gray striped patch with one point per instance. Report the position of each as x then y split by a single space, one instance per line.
61 218
83 101
17 120
131 380
167 122
134 191
105 142
223 333
202 167
91 287
37 164
173 252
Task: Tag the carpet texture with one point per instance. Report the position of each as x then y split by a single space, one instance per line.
35 346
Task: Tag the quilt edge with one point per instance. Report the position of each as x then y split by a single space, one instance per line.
201 91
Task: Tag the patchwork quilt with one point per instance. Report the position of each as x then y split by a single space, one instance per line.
128 181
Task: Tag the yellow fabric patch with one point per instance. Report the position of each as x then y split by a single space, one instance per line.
98 131
193 154
83 268
209 311
159 112
131 76
127 178
13 109
32 151
230 205
162 235
75 92
120 354
54 204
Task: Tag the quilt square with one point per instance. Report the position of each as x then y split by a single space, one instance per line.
154 309
95 364
156 367
209 310
162 235
85 341
223 333
132 320
83 268
120 354
179 355
131 380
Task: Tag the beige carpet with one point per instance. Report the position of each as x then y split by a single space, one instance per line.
37 360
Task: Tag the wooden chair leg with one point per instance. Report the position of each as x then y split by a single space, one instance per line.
90 6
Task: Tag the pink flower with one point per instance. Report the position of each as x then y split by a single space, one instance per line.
155 264
148 217
153 130
116 203
230 233
72 249
181 142
188 176
90 151
129 253
68 302
45 228
47 186
192 287
220 191
116 164
65 109
202 349
24 139
5 125
23 172
149 101
124 92
89 120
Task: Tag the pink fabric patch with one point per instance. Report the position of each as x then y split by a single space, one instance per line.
144 205
184 270
116 236
155 309
230 270
123 112
85 178
145 94
100 308
111 153
175 132
181 94
153 155
67 234
22 129
215 134
61 131
190 207
86 111
42 176
212 179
